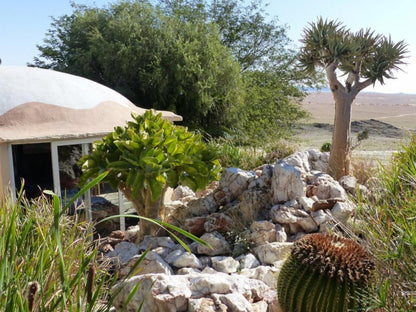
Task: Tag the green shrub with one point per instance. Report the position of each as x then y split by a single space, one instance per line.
326 147
388 227
244 157
148 155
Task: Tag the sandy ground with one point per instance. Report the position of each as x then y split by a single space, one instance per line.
398 110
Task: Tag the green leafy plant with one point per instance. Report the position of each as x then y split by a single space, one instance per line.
47 258
325 273
148 155
326 147
389 230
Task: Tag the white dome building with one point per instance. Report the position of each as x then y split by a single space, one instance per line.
43 115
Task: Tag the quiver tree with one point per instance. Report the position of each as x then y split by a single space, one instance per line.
145 157
363 58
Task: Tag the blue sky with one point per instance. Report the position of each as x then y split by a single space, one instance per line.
23 24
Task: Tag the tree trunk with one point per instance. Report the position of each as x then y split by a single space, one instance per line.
339 159
145 207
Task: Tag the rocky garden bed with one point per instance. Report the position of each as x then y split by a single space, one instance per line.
250 218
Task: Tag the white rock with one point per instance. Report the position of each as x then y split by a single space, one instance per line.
236 180
235 302
204 284
209 270
262 232
182 191
248 261
342 211
349 183
320 216
286 182
187 260
203 205
299 160
297 219
152 263
266 274
152 242
173 255
306 203
162 251
261 306
327 187
123 252
272 252
225 264
219 245
205 305
157 293
184 271
256 183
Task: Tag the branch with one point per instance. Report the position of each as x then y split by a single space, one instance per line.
353 76
334 83
362 85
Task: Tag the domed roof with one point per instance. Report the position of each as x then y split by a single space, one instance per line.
39 104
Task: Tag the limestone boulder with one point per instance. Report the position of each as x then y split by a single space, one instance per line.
287 183
272 252
248 261
325 187
297 220
236 181
262 232
219 244
151 264
342 211
225 264
219 222
203 205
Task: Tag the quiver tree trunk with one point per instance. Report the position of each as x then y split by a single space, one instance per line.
339 159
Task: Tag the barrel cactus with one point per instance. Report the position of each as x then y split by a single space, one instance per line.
325 273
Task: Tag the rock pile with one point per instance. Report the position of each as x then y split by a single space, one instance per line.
251 219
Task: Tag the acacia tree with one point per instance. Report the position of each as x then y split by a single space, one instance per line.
155 59
364 58
193 57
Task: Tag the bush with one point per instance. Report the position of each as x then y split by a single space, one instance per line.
148 155
326 147
246 157
389 230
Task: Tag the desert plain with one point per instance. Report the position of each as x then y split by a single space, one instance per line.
389 118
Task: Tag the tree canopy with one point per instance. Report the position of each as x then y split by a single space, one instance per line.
194 57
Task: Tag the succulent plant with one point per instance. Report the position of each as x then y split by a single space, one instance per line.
325 273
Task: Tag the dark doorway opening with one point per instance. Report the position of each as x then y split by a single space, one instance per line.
33 165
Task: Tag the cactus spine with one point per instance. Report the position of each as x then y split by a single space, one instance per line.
324 273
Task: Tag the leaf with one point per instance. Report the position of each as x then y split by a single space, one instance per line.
138 183
119 165
156 186
165 225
